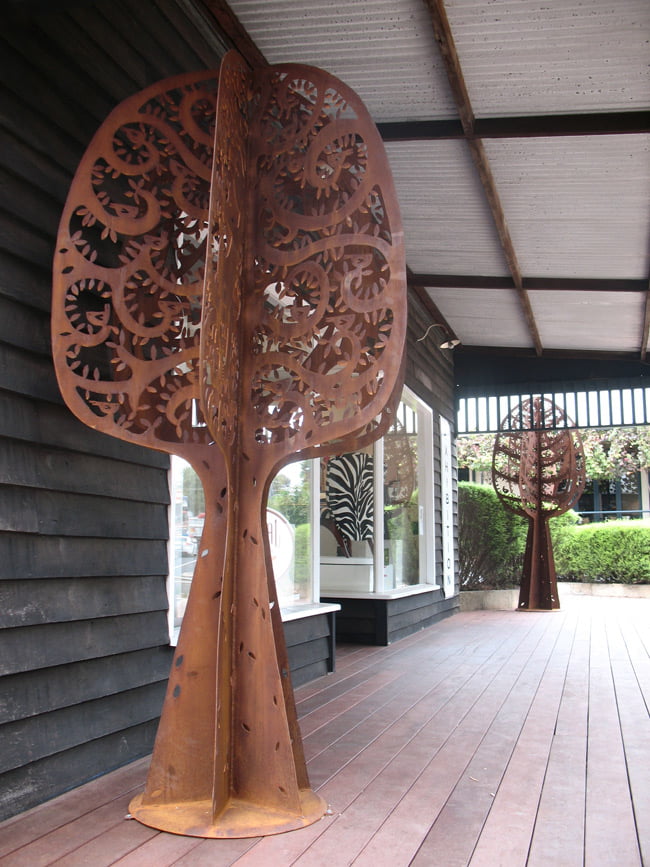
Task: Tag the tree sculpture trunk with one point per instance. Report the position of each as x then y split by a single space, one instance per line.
538 473
262 329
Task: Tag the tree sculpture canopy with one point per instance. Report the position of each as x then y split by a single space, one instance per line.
229 286
538 472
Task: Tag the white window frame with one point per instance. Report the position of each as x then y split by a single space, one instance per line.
447 508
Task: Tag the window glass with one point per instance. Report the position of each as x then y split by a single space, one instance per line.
290 536
289 524
186 526
347 522
393 479
402 488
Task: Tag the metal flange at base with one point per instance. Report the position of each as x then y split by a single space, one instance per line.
238 819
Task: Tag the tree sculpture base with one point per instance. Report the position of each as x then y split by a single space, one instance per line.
237 819
538 590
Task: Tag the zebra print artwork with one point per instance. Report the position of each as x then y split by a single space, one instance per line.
349 493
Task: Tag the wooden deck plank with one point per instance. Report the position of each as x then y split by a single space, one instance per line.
211 853
637 641
371 687
163 850
427 796
635 731
465 744
460 822
635 726
610 830
125 836
24 828
558 836
432 726
66 839
517 797
351 732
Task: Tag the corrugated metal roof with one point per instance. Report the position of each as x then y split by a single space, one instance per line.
540 56
576 206
607 321
491 317
447 223
384 50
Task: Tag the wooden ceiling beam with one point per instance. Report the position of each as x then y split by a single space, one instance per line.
549 354
445 40
535 126
645 330
537 284
234 31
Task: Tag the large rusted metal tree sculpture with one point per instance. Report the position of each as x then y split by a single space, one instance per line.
232 292
538 473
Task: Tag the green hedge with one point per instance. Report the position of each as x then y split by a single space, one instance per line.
491 543
613 551
491 539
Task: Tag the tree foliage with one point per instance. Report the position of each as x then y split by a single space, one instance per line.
611 453
292 498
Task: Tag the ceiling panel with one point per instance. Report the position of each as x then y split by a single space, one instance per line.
576 206
489 317
447 223
384 50
608 321
543 56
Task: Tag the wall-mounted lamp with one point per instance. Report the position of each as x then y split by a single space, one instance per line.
449 342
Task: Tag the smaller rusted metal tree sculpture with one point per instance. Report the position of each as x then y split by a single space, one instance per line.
538 473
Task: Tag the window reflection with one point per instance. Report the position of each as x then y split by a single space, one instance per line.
289 526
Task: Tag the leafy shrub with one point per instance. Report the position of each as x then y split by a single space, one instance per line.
613 551
302 571
491 539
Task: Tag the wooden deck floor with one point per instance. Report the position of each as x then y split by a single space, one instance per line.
492 738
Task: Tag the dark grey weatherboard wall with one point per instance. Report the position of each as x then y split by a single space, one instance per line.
84 649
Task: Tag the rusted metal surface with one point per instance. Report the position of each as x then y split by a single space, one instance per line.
279 317
538 474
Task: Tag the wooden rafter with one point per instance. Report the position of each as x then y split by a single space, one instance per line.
645 332
445 40
233 29
556 284
533 126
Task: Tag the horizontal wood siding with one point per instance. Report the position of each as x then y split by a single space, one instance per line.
84 651
383 621
310 647
412 613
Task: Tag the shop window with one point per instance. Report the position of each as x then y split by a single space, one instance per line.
353 551
392 479
289 521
